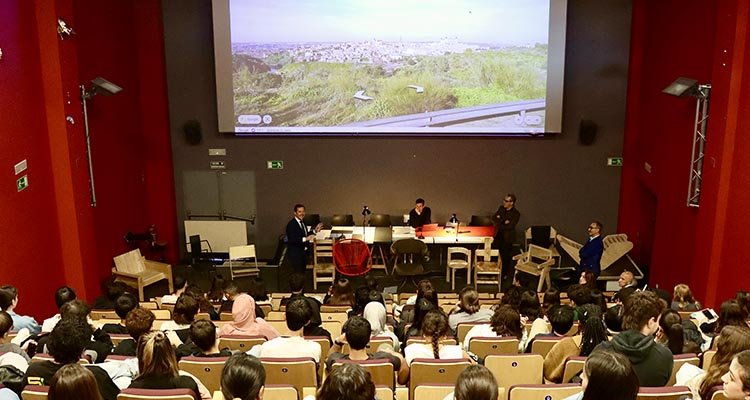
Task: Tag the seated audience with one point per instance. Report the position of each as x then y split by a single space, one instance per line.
607 375
361 299
259 293
598 298
203 341
730 313
736 382
99 342
743 299
183 315
297 286
613 319
243 378
347 382
591 333
138 322
123 305
357 334
531 312
244 321
111 290
340 294
476 382
551 298
73 382
587 278
733 340
6 323
434 329
505 321
651 361
406 314
512 297
67 342
62 296
469 309
179 284
682 299
157 365
579 295
628 285
670 331
8 303
376 314
204 306
421 309
231 290
298 315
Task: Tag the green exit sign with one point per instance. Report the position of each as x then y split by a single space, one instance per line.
22 183
614 162
275 164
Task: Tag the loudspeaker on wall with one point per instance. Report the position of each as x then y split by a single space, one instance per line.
193 132
587 132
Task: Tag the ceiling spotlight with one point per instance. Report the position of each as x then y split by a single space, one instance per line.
686 87
100 86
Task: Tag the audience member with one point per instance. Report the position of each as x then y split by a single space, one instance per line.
73 382
469 309
598 298
204 305
531 312
682 299
180 284
375 313
67 342
736 382
62 296
340 294
512 297
504 322
6 323
730 313
183 315
157 365
8 303
347 382
244 321
138 322
111 290
259 293
670 331
743 299
298 314
587 278
124 304
231 290
651 361
551 298
357 333
361 299
243 378
297 286
100 342
607 375
434 329
421 309
613 319
592 333
476 382
203 341
406 313
628 285
216 293
579 295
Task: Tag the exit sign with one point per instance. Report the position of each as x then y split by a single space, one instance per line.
275 164
614 162
22 183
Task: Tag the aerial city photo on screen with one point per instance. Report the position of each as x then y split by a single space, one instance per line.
389 65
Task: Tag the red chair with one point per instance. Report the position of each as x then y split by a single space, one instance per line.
352 257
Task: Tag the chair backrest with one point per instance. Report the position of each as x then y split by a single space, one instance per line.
149 305
516 369
333 327
334 316
34 392
432 391
277 392
311 219
464 327
459 250
227 316
300 372
663 393
481 220
384 393
156 394
708 358
280 326
342 220
240 342
131 262
484 346
380 220
573 366
99 314
352 257
542 345
118 337
381 370
615 246
536 252
409 246
195 246
323 251
240 252
325 308
679 361
541 235
427 370
546 392
372 345
164 314
421 339
46 357
206 369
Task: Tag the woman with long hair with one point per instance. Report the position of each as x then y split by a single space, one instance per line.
340 294
607 375
670 331
244 321
243 377
476 382
587 278
682 299
182 316
157 365
730 313
505 321
347 382
531 312
469 309
73 382
376 314
736 382
434 329
421 309
592 332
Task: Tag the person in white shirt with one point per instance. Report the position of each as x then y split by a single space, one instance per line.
504 322
180 285
62 296
298 314
434 329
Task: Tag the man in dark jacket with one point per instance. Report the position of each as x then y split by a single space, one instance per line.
651 361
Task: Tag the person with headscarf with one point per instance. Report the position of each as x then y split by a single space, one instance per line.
375 313
244 321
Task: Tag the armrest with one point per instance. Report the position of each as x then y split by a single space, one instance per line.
125 274
158 266
519 256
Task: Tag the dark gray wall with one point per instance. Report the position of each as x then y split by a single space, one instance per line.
557 181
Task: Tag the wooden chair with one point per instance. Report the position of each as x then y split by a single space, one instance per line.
536 261
99 314
240 342
133 269
428 371
708 358
325 346
267 308
300 372
163 314
34 392
276 316
546 392
484 346
278 392
517 369
432 391
203 316
149 305
542 345
573 366
381 371
206 369
244 267
333 327
324 269
280 326
463 328
458 258
372 346
679 361
488 264
663 393
334 316
156 394
384 393
227 316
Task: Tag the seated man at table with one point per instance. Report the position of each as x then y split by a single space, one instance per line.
419 215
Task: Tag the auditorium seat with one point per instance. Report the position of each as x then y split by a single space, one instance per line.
301 372
663 393
573 366
546 392
206 369
516 369
240 342
429 371
156 394
484 346
381 370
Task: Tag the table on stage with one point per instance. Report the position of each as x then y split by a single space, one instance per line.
441 235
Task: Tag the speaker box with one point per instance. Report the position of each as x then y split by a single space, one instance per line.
587 132
193 133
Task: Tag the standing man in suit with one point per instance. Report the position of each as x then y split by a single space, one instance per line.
591 252
505 219
297 239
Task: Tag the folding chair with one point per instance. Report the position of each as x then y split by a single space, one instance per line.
463 328
432 391
34 392
279 392
156 394
546 392
663 393
573 366
300 372
708 358
381 371
679 361
484 346
542 345
517 369
240 342
206 369
428 371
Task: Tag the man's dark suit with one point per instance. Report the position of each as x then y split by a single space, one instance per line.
295 246
591 255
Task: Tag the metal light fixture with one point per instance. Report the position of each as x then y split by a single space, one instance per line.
105 88
686 87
